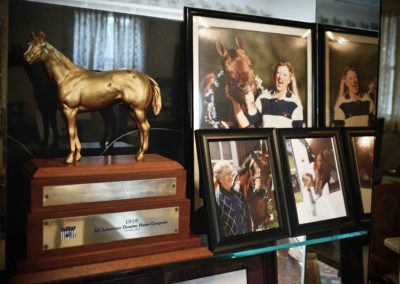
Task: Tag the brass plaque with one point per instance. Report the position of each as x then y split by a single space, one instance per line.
107 191
103 228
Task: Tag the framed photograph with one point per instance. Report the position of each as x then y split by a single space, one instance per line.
350 62
243 187
238 276
360 145
317 188
251 269
249 71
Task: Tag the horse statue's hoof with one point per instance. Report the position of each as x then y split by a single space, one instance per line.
139 156
69 159
77 157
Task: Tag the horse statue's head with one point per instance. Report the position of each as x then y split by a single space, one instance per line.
37 49
238 67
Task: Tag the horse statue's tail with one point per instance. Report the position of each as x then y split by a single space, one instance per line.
157 103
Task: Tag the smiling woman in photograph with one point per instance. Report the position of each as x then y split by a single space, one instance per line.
281 107
352 108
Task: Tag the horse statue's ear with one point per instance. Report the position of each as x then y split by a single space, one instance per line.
240 42
42 35
221 49
32 35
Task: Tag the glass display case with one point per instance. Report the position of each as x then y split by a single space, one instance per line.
35 128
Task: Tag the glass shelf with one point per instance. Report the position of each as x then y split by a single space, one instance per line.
296 242
271 247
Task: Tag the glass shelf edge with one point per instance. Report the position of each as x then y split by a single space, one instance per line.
297 244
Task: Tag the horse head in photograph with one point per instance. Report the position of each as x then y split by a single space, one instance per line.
236 81
256 184
321 153
324 164
80 90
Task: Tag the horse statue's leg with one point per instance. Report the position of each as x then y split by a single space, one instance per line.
78 147
70 117
140 118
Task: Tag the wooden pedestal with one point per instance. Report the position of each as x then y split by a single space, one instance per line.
105 209
94 170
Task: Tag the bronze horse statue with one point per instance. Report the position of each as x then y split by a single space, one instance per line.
234 84
80 90
256 184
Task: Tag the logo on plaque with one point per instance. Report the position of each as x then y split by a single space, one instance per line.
67 233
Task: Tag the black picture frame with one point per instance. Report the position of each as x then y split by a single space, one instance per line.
266 42
345 51
257 269
234 23
243 149
360 146
319 198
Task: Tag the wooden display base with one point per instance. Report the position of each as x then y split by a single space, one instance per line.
109 267
105 254
132 247
107 169
105 209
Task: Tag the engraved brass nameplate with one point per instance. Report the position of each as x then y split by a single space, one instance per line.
102 228
107 191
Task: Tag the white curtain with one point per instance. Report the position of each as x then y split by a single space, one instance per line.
389 71
106 41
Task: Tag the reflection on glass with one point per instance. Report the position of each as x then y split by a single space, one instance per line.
363 148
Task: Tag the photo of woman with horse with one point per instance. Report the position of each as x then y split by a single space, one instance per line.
232 72
314 162
243 187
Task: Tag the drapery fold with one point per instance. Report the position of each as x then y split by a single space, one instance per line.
106 41
389 71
